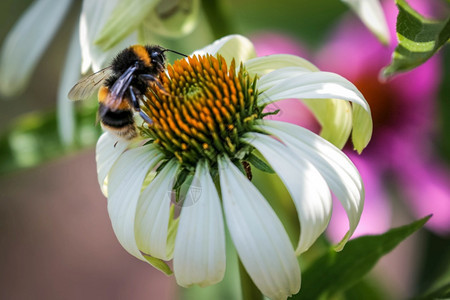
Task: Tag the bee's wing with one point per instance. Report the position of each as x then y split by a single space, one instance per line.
89 84
119 88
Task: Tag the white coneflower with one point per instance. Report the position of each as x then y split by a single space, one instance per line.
205 135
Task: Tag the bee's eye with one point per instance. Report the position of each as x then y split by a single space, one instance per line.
155 54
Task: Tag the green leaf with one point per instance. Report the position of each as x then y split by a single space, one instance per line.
419 39
365 289
126 17
337 271
441 286
442 292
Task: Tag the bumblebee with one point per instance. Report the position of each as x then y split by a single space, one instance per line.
122 85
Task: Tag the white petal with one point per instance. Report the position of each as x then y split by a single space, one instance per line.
371 13
266 64
153 210
279 75
27 41
124 187
336 168
94 15
173 19
125 18
315 85
332 114
258 235
199 256
231 47
108 150
70 75
307 187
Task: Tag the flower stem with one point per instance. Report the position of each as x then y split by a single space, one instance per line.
216 18
248 288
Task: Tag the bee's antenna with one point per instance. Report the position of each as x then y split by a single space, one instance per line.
176 52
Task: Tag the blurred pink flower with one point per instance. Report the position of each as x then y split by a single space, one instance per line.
403 111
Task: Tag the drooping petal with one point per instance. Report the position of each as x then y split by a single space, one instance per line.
313 85
108 150
27 41
338 171
258 235
266 64
307 187
124 187
70 75
323 85
334 116
94 14
371 14
362 128
199 256
231 47
153 212
376 216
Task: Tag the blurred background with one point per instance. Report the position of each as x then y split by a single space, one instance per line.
56 238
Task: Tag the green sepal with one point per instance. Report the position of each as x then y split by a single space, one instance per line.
270 113
181 178
172 232
419 39
335 272
259 164
248 288
158 264
241 168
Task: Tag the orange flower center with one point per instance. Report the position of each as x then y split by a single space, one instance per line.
202 110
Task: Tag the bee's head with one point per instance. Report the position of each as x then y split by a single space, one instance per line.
157 57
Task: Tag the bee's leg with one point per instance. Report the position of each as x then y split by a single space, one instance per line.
145 117
156 81
134 94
